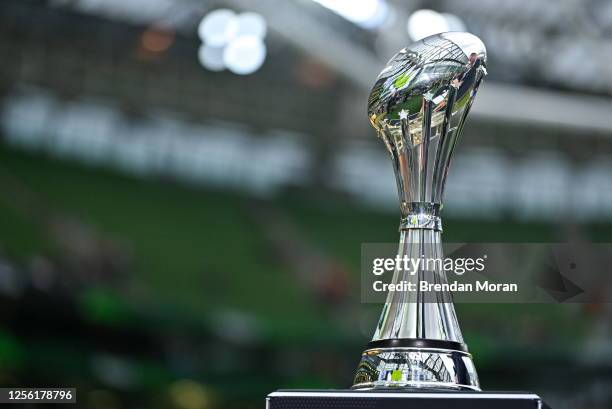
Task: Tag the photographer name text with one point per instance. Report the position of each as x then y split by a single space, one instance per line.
426 286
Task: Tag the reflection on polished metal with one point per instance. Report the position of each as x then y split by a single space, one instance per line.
418 106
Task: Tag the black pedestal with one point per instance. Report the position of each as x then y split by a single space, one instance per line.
401 399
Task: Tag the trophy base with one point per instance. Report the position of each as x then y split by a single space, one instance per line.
402 399
416 367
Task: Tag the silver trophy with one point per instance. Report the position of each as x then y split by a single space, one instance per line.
417 357
418 106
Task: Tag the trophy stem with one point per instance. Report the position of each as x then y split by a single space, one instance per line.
418 314
418 342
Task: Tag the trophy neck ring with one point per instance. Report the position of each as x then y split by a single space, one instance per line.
421 215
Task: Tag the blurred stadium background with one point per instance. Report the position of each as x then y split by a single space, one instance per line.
184 192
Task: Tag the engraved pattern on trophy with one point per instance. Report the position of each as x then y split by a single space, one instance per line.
418 107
